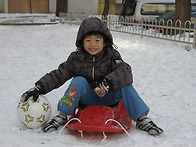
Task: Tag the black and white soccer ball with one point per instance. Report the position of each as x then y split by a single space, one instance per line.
34 114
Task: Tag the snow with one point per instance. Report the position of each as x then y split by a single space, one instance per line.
26 18
164 76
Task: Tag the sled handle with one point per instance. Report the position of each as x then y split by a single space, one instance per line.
67 124
118 124
121 127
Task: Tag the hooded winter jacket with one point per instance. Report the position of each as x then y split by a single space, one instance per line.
107 64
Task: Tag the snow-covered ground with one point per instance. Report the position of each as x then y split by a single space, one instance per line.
164 76
26 18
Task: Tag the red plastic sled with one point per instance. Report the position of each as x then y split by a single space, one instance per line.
100 119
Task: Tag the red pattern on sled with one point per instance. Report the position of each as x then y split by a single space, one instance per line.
94 118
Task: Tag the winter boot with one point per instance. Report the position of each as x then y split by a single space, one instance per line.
146 124
55 123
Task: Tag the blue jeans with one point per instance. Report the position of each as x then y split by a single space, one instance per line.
79 90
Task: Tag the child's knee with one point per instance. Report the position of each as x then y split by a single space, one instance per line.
79 79
66 106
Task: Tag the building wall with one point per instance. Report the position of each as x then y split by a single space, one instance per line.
1 6
93 6
52 6
118 1
87 6
4 6
112 5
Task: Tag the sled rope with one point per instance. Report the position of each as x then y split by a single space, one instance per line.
118 124
67 124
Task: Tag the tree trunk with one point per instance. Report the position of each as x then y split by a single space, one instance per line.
106 8
61 6
182 11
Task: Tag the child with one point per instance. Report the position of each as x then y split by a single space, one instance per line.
100 77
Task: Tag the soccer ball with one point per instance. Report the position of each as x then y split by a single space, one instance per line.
34 114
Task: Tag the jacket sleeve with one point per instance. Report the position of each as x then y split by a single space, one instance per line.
121 75
57 77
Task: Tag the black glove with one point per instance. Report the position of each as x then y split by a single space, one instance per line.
102 88
35 92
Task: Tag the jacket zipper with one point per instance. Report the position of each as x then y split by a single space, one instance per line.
93 70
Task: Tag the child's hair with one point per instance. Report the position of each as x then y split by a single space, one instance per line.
96 33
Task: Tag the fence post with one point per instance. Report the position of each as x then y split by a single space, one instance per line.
194 37
109 23
142 28
71 14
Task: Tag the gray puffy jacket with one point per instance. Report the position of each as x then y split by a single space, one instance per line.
106 64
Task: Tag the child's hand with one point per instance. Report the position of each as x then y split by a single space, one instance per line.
35 92
102 88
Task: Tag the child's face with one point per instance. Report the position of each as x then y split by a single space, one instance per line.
93 44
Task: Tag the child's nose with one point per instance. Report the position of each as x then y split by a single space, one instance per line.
92 43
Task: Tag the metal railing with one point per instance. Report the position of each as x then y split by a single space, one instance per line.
161 30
